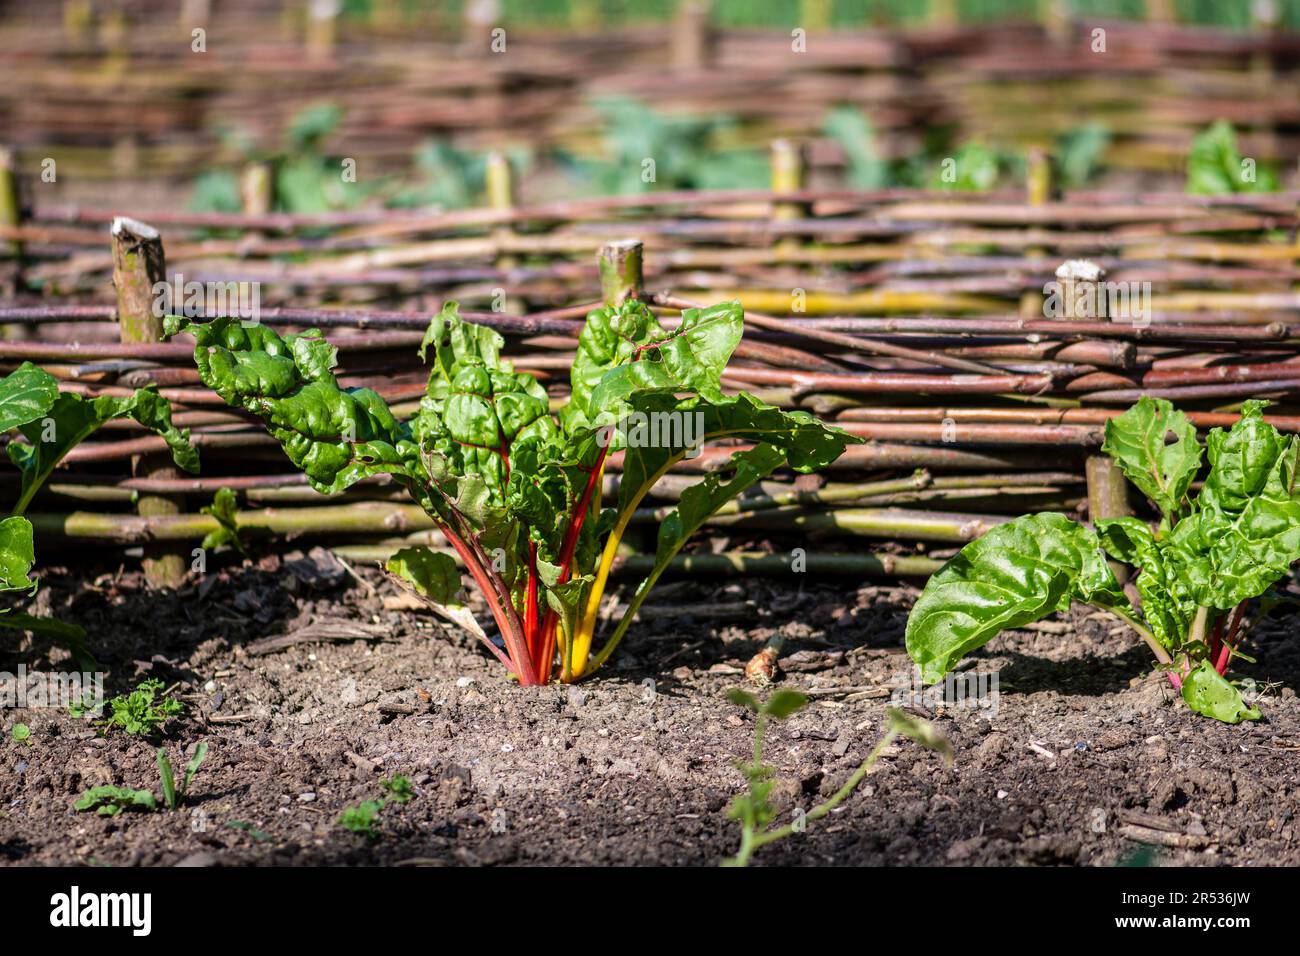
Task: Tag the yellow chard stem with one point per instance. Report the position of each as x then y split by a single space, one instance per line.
581 649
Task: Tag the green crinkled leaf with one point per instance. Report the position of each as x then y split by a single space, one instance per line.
71 419
1229 557
1167 604
17 554
1209 693
476 407
610 337
26 394
1017 573
1162 470
1126 539
435 576
1241 459
690 359
806 442
336 436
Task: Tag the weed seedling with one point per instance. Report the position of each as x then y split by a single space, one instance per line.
143 711
22 734
172 795
399 788
110 801
362 818
259 835
754 810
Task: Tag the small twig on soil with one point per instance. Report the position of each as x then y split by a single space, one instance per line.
321 631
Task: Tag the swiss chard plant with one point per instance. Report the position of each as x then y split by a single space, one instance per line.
513 484
1196 568
50 423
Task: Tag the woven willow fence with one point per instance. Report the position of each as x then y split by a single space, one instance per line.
916 321
118 94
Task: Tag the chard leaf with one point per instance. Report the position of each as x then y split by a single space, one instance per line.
1126 539
456 341
1241 459
1229 557
610 337
434 576
336 436
1017 573
697 503
806 442
1162 470
16 554
1209 693
71 419
476 407
1167 603
26 394
691 359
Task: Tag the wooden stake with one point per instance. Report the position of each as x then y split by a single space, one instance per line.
1082 296
1038 186
322 28
500 184
1161 11
943 13
815 15
1055 17
1107 497
478 21
256 189
138 265
692 35
788 173
620 271
78 18
11 210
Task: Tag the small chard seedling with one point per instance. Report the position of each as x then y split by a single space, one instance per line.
50 423
1207 557
514 487
754 810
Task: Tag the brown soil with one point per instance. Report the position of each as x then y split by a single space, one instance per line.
1083 762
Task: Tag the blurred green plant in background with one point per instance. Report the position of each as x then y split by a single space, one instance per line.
644 150
1215 168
